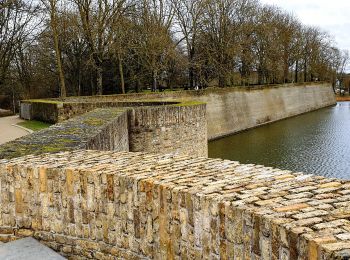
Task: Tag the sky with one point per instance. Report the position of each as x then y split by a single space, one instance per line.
332 16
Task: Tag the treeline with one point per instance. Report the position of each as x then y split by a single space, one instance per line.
88 47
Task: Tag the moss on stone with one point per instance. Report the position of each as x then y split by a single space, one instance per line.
189 103
94 121
42 101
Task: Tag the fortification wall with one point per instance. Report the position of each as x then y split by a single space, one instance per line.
229 110
55 111
177 129
240 110
104 205
101 129
169 129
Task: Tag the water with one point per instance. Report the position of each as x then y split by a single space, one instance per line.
317 142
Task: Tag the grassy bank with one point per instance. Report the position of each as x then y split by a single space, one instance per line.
343 98
34 125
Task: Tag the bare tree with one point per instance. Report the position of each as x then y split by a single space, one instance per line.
115 46
189 14
97 17
152 42
51 7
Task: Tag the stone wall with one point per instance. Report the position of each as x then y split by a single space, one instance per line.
101 129
4 112
55 111
42 110
236 111
105 205
229 110
177 129
169 129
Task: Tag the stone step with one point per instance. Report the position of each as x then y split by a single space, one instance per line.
27 249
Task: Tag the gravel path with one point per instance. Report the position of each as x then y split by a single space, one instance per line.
8 132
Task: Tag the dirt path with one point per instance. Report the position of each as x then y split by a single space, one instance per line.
9 132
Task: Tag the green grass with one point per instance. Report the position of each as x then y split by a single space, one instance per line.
34 125
42 101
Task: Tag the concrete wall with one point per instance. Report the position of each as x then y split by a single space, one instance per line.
105 205
229 110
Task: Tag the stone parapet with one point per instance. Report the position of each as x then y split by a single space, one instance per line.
169 129
177 128
106 205
101 129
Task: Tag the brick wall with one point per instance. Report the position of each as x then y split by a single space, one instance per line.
101 205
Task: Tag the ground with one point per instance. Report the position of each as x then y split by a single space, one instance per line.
34 125
8 131
343 98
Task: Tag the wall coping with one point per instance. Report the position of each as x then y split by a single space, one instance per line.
298 215
155 95
69 135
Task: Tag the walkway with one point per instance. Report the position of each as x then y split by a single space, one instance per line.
28 249
8 132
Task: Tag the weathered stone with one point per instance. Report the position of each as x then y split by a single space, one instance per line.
224 106
332 224
138 205
294 207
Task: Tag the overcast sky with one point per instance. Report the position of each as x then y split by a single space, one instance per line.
331 15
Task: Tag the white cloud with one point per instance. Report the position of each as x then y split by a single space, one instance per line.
331 16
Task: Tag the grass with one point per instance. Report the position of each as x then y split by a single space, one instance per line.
34 125
42 101
342 98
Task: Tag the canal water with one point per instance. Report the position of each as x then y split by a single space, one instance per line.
317 143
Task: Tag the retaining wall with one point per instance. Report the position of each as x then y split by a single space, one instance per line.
104 205
229 110
169 129
55 111
177 129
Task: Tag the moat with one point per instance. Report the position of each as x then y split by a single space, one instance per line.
316 143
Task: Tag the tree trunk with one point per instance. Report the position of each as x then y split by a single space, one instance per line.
121 74
92 83
99 80
13 100
79 84
137 86
191 77
260 76
191 69
63 91
221 81
285 73
296 71
333 84
154 85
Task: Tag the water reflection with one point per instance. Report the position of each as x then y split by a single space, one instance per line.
316 142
